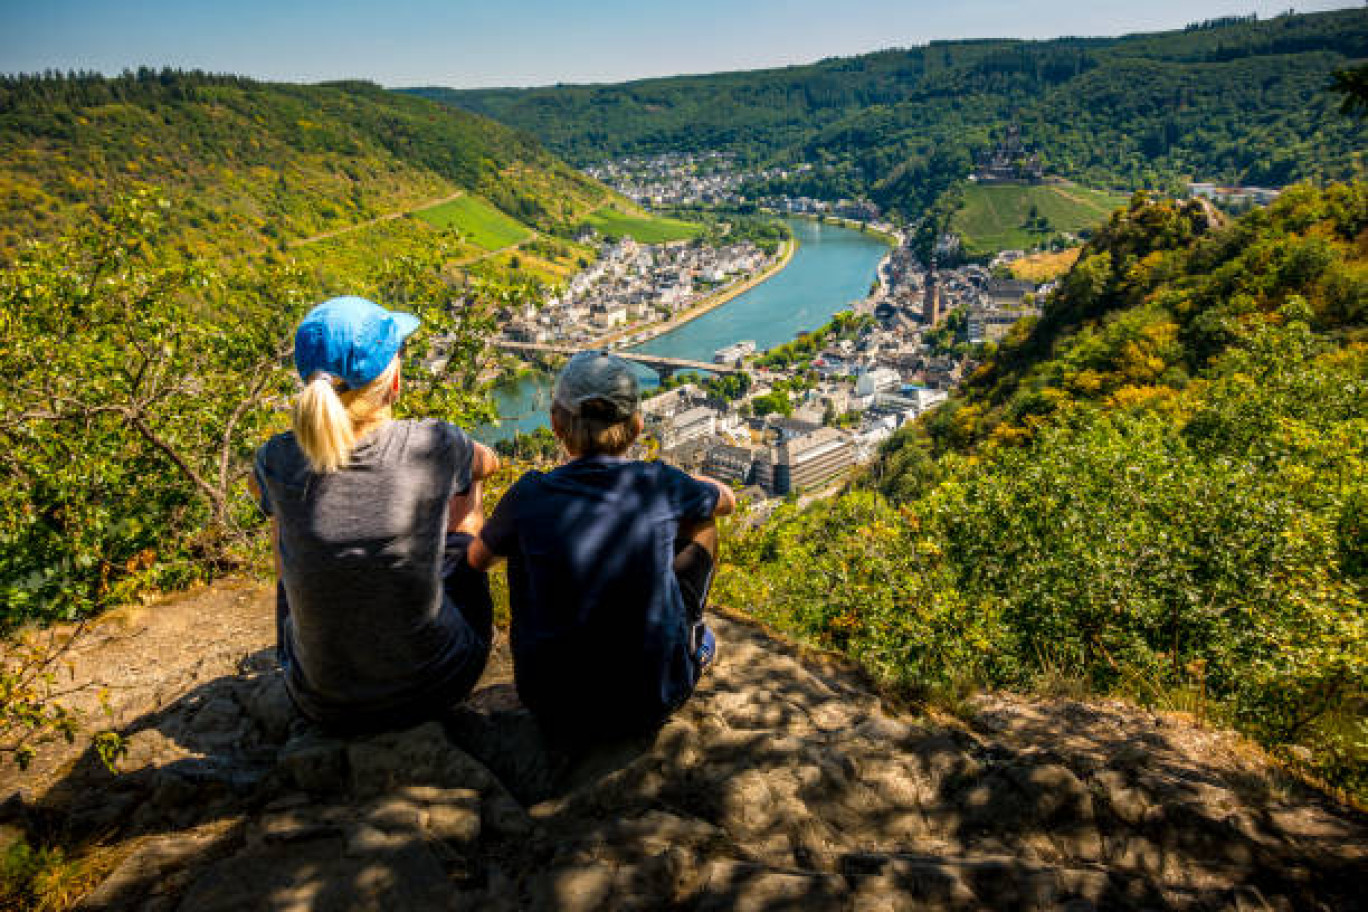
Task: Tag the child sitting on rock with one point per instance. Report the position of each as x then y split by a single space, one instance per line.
610 560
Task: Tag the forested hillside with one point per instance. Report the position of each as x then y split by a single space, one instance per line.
247 166
1233 100
162 233
1159 488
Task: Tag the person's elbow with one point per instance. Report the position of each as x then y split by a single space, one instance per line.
479 557
486 462
726 501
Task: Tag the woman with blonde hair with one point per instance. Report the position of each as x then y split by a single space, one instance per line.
381 622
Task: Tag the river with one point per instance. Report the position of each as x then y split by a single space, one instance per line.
831 269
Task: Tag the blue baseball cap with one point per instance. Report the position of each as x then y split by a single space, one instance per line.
351 338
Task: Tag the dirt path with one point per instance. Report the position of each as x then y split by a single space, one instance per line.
300 242
784 783
1093 205
493 253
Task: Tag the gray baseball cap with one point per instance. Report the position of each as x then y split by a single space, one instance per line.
595 374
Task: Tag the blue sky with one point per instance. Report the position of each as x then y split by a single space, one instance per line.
464 43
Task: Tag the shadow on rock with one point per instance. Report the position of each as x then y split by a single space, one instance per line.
226 798
782 784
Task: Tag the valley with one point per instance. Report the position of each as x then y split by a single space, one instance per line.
1037 368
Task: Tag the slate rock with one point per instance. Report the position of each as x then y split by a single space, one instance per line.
269 706
743 887
314 762
319 876
417 756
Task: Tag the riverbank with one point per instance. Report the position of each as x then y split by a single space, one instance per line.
710 303
891 240
830 267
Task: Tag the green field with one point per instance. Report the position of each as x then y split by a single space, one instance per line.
998 217
478 221
613 224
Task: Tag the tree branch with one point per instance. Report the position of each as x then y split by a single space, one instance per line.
136 421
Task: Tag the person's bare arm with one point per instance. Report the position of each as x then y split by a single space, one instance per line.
702 532
480 557
484 463
465 513
726 499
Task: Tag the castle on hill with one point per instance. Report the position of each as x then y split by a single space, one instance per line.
1010 162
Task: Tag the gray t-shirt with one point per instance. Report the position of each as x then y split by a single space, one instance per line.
370 629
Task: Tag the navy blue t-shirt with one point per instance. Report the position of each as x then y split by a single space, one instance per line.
600 632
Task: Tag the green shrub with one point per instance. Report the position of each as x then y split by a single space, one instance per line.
1163 510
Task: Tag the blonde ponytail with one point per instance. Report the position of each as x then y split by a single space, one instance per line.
328 422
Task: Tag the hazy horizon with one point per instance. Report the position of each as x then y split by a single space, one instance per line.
538 42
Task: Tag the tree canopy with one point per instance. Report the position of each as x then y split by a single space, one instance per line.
1158 488
1234 100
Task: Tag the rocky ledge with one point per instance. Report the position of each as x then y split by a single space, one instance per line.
784 784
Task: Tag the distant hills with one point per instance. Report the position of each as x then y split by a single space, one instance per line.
1234 100
250 166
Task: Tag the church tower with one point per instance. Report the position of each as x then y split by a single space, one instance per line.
931 301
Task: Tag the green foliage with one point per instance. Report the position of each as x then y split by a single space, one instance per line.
1239 101
28 713
1157 293
1160 485
728 387
802 350
446 364
46 878
1352 85
950 336
733 226
853 574
250 167
996 217
772 403
477 221
133 389
613 224
537 448
335 263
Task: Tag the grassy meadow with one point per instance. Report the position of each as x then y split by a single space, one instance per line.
613 223
999 217
478 221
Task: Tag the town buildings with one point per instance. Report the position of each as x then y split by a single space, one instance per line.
1234 197
1009 162
806 461
633 283
829 409
710 179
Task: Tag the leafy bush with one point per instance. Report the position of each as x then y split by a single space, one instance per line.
1118 495
133 392
137 389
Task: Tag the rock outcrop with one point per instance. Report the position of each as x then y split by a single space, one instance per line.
784 784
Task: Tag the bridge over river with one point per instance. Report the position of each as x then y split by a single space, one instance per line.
661 364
